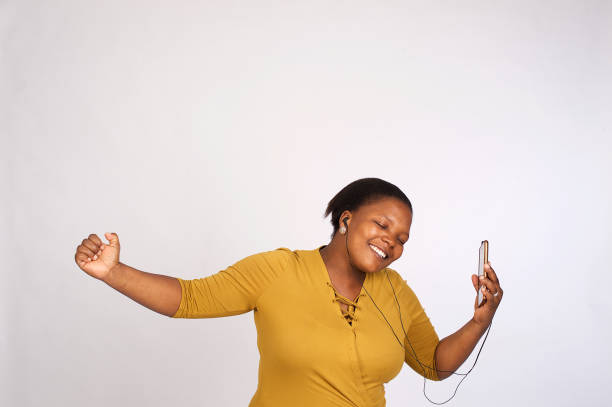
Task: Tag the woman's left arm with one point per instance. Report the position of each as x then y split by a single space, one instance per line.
453 350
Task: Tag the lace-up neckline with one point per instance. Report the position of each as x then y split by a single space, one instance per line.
338 299
352 305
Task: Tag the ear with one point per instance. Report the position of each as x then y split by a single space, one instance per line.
345 215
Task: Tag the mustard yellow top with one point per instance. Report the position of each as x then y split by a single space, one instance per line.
311 353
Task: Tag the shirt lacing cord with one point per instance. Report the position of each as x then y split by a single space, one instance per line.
352 305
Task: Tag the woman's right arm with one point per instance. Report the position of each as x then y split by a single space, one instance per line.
157 292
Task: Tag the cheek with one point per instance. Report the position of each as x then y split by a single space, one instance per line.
398 252
371 231
364 232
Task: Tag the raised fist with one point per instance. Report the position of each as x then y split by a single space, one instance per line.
97 258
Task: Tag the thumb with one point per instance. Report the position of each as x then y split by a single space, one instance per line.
475 282
113 239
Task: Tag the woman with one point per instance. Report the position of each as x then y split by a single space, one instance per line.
334 323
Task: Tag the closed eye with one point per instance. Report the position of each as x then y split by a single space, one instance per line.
385 227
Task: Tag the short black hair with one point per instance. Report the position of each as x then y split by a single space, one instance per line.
361 192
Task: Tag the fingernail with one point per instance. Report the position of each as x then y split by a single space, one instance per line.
95 256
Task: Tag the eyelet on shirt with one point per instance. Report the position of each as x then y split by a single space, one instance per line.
349 316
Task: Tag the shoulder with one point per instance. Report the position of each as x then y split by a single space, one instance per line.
398 282
406 296
272 259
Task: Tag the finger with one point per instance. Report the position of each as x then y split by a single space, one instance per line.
491 297
81 258
491 273
484 297
476 300
500 294
491 286
86 251
113 239
97 243
94 238
90 245
475 282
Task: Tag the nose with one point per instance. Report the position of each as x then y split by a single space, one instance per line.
388 240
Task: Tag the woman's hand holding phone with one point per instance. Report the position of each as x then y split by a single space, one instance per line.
488 291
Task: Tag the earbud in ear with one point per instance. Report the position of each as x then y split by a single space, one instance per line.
343 228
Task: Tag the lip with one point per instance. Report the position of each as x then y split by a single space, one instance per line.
376 254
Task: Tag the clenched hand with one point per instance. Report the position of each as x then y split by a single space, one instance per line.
97 258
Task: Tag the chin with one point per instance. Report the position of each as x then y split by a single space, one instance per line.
373 266
368 262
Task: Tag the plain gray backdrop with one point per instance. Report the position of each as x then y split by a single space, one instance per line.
203 132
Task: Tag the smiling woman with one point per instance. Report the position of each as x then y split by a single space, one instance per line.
335 347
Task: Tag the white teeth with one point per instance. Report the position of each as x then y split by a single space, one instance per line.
378 251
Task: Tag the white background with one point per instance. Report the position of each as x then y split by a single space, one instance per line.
202 132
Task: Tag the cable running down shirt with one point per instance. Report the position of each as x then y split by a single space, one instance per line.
311 352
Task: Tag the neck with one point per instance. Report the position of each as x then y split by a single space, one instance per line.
336 260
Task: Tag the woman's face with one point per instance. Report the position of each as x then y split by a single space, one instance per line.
378 228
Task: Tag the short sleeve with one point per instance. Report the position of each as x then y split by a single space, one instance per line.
234 290
421 339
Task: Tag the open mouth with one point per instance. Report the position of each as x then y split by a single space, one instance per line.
379 252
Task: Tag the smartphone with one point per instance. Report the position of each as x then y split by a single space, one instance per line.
483 258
